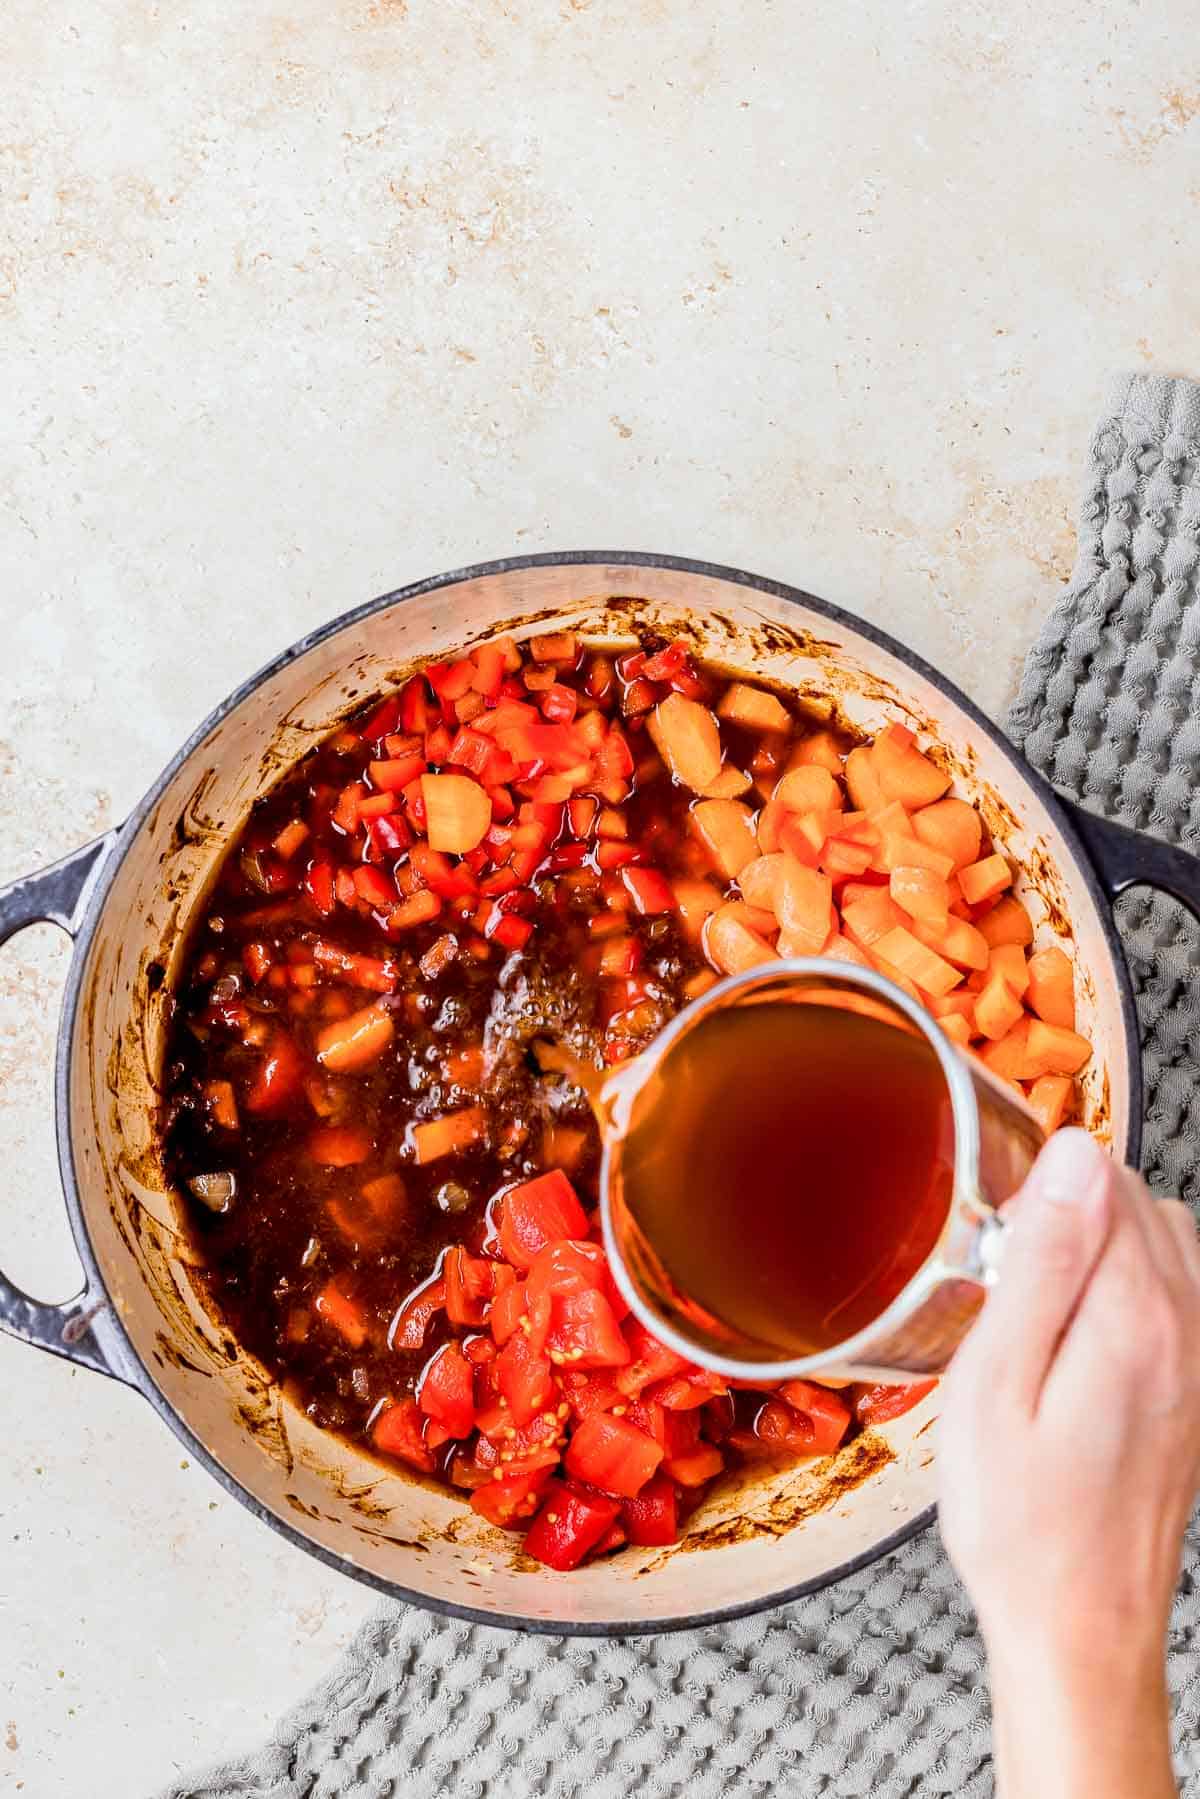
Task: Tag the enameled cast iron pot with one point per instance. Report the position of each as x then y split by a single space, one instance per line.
127 899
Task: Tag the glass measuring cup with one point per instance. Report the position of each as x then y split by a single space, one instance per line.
995 1140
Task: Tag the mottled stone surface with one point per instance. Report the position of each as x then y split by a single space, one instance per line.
297 304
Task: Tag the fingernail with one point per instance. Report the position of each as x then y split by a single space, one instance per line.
1070 1171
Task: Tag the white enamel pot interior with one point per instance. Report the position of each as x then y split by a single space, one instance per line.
776 1538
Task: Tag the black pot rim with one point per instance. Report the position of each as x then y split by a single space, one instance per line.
632 559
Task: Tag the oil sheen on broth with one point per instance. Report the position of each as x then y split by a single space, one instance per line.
791 1172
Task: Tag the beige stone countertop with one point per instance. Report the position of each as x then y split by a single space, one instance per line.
301 303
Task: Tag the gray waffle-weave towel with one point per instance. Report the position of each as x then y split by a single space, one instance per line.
875 1687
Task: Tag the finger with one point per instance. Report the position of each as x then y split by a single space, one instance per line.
1057 1236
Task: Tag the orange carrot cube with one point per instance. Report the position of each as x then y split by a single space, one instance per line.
953 827
921 893
1049 1097
997 1008
915 959
1054 1049
1006 922
1008 961
982 881
1052 987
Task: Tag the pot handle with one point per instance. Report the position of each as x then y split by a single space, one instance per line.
56 895
1123 858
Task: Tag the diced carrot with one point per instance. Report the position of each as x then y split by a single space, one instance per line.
869 917
699 983
904 773
612 824
1049 1097
688 738
339 1145
982 881
957 940
809 789
960 1002
759 881
554 646
356 1040
921 893
843 949
726 829
1006 922
729 942
862 781
344 1314
1009 1057
420 907
900 849
803 899
1052 987
395 774
821 750
1008 960
997 1008
956 1028
916 960
458 812
465 1066
1053 1049
384 1193
374 887
222 1104
290 838
753 708
447 1136
729 784
953 827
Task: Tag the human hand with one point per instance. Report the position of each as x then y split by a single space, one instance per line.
1069 1462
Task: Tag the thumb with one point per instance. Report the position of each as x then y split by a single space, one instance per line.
1059 1227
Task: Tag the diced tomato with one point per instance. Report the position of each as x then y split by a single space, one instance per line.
506 1312
280 1076
584 1333
571 1267
469 1286
397 1431
535 1213
686 1392
681 1431
395 774
649 890
651 1516
412 1321
668 663
826 1413
697 1467
878 1404
414 705
376 888
510 1502
652 1361
568 1525
447 1391
594 1393
383 720
610 1453
318 883
257 959
524 1379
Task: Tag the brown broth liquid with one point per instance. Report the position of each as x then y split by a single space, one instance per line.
791 1172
